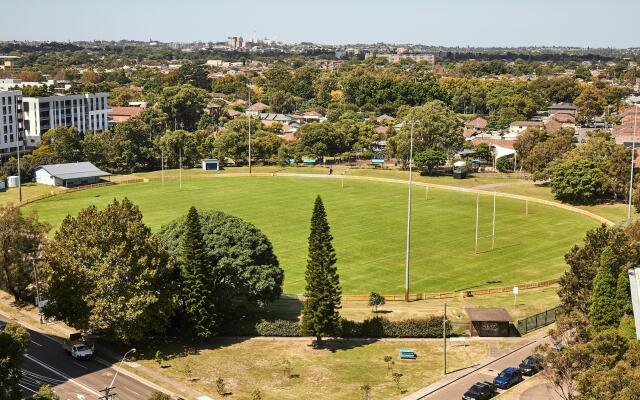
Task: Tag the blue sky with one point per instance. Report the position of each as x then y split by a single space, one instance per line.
592 23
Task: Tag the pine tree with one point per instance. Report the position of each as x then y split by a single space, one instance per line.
320 315
623 293
195 291
605 311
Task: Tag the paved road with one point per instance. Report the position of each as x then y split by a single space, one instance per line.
456 389
46 362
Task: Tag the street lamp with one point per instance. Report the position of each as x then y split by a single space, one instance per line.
406 272
121 361
633 158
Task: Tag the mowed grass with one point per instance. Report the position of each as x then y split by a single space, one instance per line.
368 222
335 372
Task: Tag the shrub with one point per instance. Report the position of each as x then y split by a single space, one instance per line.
504 164
278 328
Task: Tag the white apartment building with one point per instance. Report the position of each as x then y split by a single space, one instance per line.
10 122
85 112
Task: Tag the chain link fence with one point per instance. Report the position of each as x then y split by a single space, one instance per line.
538 320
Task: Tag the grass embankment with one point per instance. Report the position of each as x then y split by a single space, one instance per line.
368 221
334 372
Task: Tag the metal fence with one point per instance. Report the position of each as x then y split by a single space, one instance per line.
538 320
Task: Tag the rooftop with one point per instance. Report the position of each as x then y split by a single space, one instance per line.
488 314
83 169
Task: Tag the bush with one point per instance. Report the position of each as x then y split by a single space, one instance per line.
278 328
376 327
504 164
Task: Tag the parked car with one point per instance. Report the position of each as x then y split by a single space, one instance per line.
530 366
507 378
480 391
2 325
77 348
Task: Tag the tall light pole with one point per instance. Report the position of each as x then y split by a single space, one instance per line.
108 395
633 157
408 256
19 174
249 86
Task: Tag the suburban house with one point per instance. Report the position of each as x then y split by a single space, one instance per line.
69 175
516 127
563 108
623 133
256 108
121 114
558 121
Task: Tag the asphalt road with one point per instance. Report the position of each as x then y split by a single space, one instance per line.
46 363
456 389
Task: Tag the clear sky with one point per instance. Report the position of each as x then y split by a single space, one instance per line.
586 23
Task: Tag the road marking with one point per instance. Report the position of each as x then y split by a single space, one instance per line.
80 397
204 398
24 387
36 343
55 371
136 393
79 365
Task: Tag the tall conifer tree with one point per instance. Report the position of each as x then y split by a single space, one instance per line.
320 315
605 310
196 294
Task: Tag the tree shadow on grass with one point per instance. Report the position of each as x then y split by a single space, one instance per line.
341 344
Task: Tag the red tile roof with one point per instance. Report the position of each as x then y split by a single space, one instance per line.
125 111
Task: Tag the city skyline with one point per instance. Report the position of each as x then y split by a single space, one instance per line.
491 23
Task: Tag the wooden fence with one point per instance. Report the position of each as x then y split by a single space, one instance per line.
440 295
77 189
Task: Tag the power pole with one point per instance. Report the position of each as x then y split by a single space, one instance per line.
19 174
444 336
633 158
108 395
249 129
180 157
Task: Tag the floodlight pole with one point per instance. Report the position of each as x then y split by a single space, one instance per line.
493 232
180 165
408 255
444 336
249 114
162 166
19 174
633 158
426 192
477 214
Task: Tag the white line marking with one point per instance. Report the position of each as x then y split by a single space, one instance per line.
55 371
36 343
24 387
136 393
79 365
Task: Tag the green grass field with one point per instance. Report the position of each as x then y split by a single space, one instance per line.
368 221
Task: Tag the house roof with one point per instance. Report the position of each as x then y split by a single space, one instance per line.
488 314
258 107
526 123
383 118
494 142
125 111
83 169
477 122
562 106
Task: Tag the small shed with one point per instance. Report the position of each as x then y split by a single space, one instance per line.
3 186
13 181
211 164
69 174
494 322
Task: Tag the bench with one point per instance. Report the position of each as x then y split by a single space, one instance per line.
408 354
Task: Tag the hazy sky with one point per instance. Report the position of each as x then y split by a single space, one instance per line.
592 23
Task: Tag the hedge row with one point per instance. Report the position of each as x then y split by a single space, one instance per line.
376 327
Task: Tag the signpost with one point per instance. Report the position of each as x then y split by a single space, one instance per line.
515 295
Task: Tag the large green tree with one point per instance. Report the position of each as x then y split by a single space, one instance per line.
320 315
21 237
106 271
196 290
320 139
436 127
429 159
60 145
184 104
241 265
577 181
14 341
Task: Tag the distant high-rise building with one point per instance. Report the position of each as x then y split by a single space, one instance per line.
235 42
10 121
85 112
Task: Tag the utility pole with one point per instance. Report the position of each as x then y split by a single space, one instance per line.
477 215
493 232
180 162
249 86
38 298
107 394
444 336
408 256
19 174
162 166
633 158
